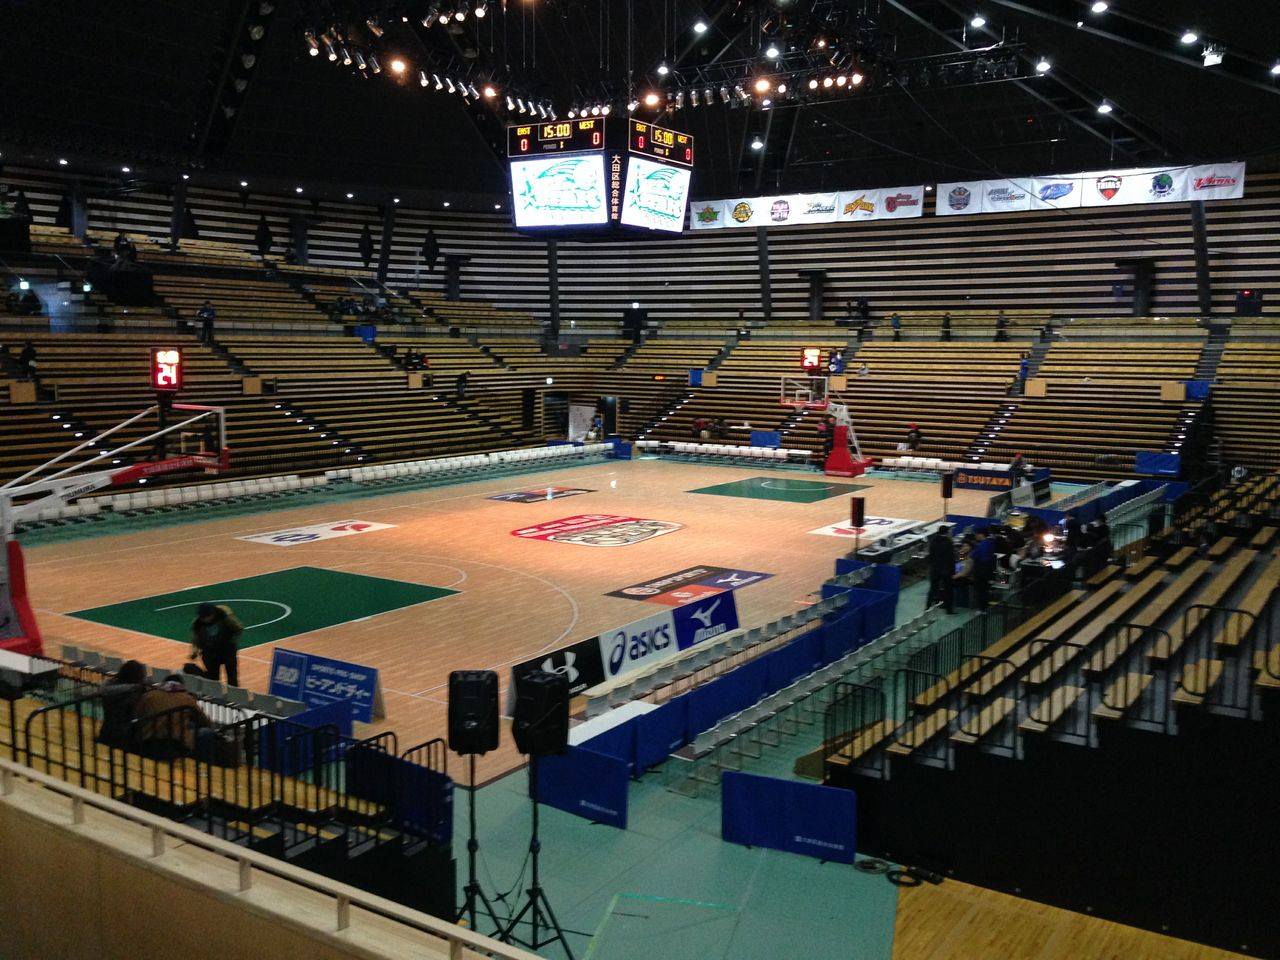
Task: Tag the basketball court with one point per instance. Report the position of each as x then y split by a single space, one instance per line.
483 574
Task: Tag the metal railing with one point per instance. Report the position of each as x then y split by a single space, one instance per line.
166 835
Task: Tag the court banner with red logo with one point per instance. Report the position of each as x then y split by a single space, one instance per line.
544 493
689 585
901 203
316 531
1216 181
598 530
873 528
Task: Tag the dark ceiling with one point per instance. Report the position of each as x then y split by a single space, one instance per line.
152 80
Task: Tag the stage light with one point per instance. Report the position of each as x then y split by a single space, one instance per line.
663 69
772 52
449 83
360 61
374 27
700 27
374 65
1275 69
481 10
443 18
606 110
1099 7
1043 65
650 99
244 183
460 15
766 102
856 79
827 82
757 144
398 65
24 284
763 85
821 44
693 98
724 94
782 88
313 45
1105 107
510 104
813 83
329 51
436 78
351 196
126 170
471 89
572 113
1190 37
423 79
346 57
978 21
489 91
841 80
62 163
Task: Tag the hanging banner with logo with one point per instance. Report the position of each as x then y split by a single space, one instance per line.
708 215
1216 181
957 199
901 203
813 207
847 206
1005 196
858 205
1055 193
1118 188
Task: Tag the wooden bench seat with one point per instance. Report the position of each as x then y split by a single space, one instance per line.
988 718
1121 694
921 733
1196 680
1051 709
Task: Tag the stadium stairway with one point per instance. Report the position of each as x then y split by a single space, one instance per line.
1109 746
1211 352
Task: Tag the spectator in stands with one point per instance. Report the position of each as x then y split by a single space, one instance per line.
120 696
206 314
1002 326
30 305
701 429
27 361
215 634
895 321
942 569
946 326
170 721
1024 368
460 385
428 313
719 429
984 568
1017 469
1100 543
864 370
914 437
124 249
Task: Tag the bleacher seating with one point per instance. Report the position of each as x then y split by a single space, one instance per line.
1246 402
238 301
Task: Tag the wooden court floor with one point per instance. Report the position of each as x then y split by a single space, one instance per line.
516 597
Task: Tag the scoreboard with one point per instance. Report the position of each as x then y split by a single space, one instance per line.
558 136
667 146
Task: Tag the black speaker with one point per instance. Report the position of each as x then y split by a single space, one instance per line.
948 484
857 511
1248 303
541 722
473 711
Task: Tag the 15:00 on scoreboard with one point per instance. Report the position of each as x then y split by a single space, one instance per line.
670 146
558 136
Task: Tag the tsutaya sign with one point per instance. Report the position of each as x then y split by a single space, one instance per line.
1100 188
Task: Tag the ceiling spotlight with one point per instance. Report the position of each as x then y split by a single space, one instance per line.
471 89
763 85
374 27
510 104
244 183
606 110
449 83
1043 65
489 91
395 199
481 10
650 99
329 52
782 88
700 27
313 44
1212 55
436 78
398 65
813 83
126 170
821 44
595 108
346 57
445 204
757 143
186 176
841 81
520 106
497 206
679 99
351 196
766 102
978 21
1100 6
443 18
572 113
360 61
827 82
1190 37
1105 107
461 14
423 79
1275 69
772 52
62 163
374 65
855 78
297 189
663 69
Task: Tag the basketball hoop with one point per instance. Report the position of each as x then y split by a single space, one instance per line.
804 393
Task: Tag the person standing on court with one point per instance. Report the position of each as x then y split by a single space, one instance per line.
215 634
942 569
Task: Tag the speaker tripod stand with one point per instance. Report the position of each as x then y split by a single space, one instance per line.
542 919
473 896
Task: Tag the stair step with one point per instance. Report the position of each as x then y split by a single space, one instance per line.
1051 709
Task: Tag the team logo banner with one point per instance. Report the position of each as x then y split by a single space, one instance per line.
959 199
856 206
1004 196
873 528
316 531
1216 181
689 585
1056 193
708 215
547 493
1118 188
657 637
598 530
901 203
847 206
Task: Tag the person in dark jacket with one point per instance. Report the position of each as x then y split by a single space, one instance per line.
120 696
942 569
984 568
215 633
914 437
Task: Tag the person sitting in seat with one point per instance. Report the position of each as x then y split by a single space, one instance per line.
30 304
895 322
701 428
120 696
914 437
719 429
168 721
27 361
1002 327
946 326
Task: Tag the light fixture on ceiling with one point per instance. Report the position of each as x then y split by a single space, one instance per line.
700 27
772 51
351 196
1043 65
243 184
423 79
1275 69
663 69
186 176
978 21
1189 37
1105 107
445 204
856 78
481 10
398 66
762 85
313 45
651 99
297 189
1212 55
813 83
489 91
1099 6
62 163
757 144
126 170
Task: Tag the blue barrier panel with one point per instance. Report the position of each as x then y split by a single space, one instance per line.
288 749
661 732
418 799
695 376
1198 389
884 577
618 742
802 818
586 784
766 438
1158 464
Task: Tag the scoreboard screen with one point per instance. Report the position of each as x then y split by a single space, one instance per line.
669 146
557 136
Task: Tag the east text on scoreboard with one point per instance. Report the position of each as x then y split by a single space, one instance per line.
555 136
669 146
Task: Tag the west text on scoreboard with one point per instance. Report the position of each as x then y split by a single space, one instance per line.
669 146
557 136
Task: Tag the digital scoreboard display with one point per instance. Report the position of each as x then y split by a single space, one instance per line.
655 197
557 136
669 146
556 191
166 369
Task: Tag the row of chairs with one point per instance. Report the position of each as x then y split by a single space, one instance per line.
217 694
804 701
716 655
724 450
451 466
936 465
